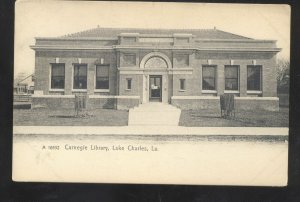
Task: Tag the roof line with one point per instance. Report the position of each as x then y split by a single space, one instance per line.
95 48
233 34
125 29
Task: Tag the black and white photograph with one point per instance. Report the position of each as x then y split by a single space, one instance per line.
151 93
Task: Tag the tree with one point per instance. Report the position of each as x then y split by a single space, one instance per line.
283 76
20 76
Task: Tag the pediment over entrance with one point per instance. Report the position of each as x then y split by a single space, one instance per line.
156 62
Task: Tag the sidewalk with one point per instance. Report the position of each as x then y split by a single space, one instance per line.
149 130
154 114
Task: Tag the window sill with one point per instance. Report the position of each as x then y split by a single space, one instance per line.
56 90
254 92
79 90
209 91
101 90
127 89
182 90
231 91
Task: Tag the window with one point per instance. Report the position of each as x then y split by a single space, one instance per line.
232 77
57 76
102 77
209 77
156 62
254 77
182 84
80 76
128 84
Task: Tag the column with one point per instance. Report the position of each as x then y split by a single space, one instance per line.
91 78
220 80
68 77
243 80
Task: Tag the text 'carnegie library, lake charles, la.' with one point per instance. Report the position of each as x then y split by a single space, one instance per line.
93 147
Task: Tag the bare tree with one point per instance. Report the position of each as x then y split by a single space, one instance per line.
283 75
20 76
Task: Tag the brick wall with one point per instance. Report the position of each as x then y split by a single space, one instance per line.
44 58
136 85
118 83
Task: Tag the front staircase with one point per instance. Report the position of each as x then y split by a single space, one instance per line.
154 113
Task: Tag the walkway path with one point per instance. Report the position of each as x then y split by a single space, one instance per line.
149 130
154 114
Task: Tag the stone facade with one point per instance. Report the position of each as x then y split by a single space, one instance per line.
148 65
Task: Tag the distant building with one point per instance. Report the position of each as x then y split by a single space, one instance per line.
188 68
24 85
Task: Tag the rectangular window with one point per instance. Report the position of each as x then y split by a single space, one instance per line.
80 76
254 77
57 76
128 84
102 77
209 77
231 77
182 84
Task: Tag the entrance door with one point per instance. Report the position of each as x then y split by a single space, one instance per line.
155 86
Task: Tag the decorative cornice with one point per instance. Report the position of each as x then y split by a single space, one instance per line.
77 38
152 35
223 49
142 70
63 47
181 71
236 40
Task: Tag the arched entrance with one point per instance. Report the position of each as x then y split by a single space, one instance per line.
155 78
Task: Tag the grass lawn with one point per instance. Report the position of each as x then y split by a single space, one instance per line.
65 117
212 118
110 117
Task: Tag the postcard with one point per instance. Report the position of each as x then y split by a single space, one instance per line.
151 93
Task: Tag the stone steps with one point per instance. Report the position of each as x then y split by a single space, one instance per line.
154 114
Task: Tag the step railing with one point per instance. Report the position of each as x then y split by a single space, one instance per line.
22 98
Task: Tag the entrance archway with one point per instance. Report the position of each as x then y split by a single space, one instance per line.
155 56
155 78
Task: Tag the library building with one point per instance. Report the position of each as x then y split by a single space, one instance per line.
121 68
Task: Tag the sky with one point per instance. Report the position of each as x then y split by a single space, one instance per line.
45 18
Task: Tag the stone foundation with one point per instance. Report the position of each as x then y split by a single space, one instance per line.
113 102
241 103
53 101
257 103
93 102
196 102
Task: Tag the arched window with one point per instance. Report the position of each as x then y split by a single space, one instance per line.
156 62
